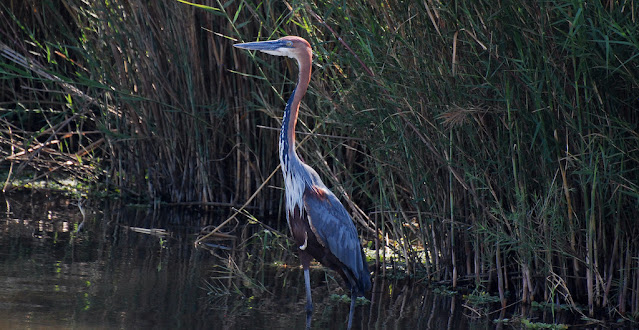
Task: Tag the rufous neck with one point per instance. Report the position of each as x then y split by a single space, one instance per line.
287 138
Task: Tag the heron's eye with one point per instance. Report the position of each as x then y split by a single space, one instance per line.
289 44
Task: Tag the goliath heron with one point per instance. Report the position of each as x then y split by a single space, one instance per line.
319 223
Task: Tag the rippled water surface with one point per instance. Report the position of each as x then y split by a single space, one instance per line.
136 269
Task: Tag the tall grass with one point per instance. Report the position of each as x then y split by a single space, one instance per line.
510 131
491 145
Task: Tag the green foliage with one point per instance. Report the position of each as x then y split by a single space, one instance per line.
479 298
346 299
527 324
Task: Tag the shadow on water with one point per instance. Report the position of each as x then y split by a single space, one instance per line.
118 273
105 276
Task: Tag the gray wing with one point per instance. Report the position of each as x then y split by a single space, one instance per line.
335 229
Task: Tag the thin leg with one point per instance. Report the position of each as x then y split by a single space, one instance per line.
352 311
309 300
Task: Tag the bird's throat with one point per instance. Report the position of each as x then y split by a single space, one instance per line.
287 134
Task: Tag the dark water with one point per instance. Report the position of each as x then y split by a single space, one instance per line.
114 273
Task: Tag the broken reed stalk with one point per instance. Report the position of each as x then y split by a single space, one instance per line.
55 159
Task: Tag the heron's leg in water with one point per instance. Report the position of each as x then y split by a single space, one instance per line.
309 300
305 259
352 311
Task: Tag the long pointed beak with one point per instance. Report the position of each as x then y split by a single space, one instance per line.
263 45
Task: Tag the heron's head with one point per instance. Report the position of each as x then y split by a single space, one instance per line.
291 46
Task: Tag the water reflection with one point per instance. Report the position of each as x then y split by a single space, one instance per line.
134 268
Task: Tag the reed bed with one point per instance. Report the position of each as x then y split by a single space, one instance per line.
485 144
